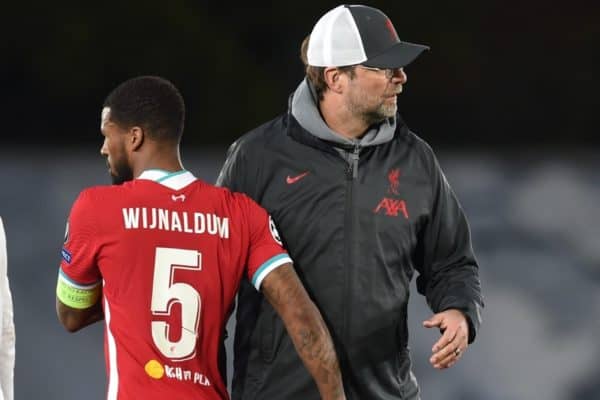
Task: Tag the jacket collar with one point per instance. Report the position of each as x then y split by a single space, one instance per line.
304 107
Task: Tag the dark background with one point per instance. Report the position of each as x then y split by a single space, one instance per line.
506 97
499 73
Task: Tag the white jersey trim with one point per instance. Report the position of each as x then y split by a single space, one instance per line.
267 267
173 180
113 377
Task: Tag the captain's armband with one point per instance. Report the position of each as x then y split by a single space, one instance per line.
77 296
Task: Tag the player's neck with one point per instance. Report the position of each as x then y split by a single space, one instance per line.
166 161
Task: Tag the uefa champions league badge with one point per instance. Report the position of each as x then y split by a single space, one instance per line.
66 255
274 231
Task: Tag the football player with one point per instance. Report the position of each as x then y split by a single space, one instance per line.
159 257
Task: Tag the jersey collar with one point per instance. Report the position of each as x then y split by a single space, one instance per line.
173 180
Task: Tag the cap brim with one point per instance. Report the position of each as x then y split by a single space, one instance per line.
397 56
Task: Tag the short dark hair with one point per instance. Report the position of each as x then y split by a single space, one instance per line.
151 102
316 75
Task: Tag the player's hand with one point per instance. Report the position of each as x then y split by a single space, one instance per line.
455 338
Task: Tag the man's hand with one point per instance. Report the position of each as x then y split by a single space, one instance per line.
454 340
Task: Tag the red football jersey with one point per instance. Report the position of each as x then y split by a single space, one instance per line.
170 251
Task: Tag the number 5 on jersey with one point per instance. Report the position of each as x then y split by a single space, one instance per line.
165 293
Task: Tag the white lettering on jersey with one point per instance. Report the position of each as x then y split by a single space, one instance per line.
175 221
223 224
181 374
131 218
186 226
163 219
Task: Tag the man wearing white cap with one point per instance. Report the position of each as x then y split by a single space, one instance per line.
362 204
7 327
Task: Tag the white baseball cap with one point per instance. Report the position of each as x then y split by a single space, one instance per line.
357 34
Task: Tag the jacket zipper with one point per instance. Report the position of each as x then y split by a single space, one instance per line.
354 158
351 176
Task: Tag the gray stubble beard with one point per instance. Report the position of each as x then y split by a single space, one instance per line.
379 114
371 116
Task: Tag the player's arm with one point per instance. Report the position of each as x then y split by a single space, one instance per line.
270 271
306 328
78 306
79 285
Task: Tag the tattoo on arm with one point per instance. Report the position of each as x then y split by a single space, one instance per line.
308 331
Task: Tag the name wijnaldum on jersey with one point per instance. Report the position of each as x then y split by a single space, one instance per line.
175 221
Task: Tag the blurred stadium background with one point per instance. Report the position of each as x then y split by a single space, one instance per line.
507 97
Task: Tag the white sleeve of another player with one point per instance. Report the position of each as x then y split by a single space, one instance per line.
7 327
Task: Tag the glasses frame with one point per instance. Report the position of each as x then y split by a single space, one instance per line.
388 72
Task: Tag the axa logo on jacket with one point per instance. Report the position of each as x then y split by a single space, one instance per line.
393 207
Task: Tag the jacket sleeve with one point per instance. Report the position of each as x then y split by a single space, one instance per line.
448 270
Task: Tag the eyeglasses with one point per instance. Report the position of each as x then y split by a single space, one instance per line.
388 72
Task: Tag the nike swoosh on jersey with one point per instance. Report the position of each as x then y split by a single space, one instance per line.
296 178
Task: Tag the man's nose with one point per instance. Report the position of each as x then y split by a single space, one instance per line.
399 76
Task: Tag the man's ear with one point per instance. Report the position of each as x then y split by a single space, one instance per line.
136 138
334 79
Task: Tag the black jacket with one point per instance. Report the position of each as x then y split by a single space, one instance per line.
357 229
